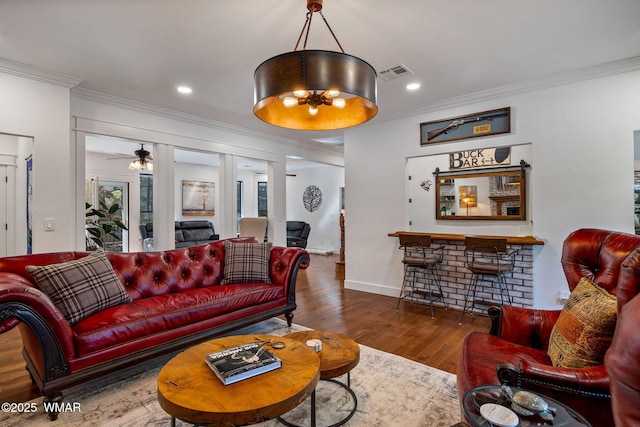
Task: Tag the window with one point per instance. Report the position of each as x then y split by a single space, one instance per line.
262 198
146 198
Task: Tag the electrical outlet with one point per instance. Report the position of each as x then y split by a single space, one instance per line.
563 296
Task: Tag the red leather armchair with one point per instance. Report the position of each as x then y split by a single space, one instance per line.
514 352
622 362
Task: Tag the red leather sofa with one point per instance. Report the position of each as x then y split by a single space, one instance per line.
177 301
519 337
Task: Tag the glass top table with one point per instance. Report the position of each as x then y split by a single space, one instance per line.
492 394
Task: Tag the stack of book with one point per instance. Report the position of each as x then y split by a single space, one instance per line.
244 361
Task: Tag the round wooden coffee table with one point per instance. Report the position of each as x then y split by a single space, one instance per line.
339 355
189 390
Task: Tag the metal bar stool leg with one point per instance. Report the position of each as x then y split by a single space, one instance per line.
471 291
429 278
438 284
504 286
404 284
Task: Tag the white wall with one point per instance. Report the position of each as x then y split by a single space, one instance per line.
33 108
324 222
581 176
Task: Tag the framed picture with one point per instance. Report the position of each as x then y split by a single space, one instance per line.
485 123
198 198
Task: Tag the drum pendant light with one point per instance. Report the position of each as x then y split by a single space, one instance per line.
315 89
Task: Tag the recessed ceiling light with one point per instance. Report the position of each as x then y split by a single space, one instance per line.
184 89
413 86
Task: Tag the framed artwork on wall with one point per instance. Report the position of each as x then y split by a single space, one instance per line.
198 198
485 123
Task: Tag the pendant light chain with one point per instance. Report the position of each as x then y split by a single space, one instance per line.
307 26
331 31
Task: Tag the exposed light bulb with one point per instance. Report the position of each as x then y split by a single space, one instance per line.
339 102
301 93
149 166
331 93
290 101
313 110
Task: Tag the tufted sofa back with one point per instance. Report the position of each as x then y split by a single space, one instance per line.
609 258
146 274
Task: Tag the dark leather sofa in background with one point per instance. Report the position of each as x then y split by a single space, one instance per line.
519 336
188 233
297 234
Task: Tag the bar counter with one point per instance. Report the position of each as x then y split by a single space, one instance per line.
511 240
455 276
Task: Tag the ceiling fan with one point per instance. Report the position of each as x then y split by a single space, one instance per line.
141 160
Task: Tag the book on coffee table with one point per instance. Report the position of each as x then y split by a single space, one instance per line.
245 361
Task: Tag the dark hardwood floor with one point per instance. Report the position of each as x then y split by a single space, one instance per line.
323 303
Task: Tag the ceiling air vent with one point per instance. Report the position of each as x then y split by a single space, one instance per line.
395 72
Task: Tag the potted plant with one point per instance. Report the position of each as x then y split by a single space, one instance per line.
102 222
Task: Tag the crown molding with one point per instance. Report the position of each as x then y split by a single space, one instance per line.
575 76
168 113
38 74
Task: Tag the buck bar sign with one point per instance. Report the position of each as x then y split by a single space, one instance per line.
480 158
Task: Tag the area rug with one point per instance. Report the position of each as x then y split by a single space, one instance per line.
391 391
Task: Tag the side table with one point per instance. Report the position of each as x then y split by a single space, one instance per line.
339 355
189 390
478 396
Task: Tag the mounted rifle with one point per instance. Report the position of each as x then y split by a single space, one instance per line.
459 122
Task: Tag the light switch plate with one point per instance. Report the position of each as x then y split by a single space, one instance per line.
49 224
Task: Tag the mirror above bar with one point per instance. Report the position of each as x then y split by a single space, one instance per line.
485 194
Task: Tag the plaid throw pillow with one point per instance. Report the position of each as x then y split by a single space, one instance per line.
81 287
246 262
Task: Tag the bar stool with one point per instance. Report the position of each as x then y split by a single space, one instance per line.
487 256
420 255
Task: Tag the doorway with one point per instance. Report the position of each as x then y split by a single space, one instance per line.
114 195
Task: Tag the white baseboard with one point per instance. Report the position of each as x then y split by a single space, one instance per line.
372 288
320 251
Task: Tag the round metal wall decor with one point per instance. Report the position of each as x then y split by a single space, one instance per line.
312 198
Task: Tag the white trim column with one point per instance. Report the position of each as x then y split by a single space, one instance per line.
163 197
277 201
227 178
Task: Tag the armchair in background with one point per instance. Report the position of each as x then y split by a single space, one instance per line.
297 234
254 227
